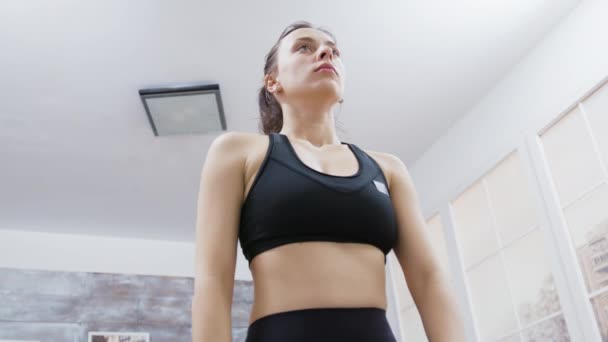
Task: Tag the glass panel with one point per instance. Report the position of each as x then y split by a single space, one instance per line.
512 338
473 222
532 286
550 330
180 114
587 220
412 326
596 107
491 300
511 199
401 290
600 307
435 229
573 163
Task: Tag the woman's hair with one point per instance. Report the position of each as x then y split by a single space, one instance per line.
271 114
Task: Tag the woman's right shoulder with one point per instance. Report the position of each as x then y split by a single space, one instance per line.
238 142
241 148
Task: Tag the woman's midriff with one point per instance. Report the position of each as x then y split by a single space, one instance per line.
317 274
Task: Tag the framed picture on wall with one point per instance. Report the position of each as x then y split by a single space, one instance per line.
108 336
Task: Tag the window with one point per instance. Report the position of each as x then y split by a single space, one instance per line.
576 148
507 271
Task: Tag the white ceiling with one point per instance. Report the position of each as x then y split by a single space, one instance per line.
77 152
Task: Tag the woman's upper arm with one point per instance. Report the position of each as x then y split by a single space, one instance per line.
413 249
218 209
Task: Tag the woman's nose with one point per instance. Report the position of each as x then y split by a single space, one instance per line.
326 51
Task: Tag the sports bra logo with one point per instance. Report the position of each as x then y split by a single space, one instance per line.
381 187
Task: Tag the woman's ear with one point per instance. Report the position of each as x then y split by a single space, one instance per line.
272 85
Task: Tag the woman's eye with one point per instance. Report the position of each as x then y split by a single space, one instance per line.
335 51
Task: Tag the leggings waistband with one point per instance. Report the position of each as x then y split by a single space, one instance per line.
360 324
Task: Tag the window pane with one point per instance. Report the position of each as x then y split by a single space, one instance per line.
600 307
512 202
491 299
573 163
513 338
550 330
596 107
473 221
412 326
587 220
532 286
401 290
576 167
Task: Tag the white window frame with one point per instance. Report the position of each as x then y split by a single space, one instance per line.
569 280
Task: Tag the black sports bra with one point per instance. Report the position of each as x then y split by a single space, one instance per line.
291 202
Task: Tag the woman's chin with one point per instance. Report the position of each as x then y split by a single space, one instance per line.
329 97
327 90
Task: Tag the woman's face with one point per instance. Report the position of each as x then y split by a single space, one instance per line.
299 56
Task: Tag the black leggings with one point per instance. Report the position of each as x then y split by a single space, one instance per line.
367 324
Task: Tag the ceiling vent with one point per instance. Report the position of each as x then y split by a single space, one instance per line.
184 109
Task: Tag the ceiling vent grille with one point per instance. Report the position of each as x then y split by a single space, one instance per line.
184 109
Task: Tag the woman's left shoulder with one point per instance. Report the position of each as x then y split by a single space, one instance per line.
388 162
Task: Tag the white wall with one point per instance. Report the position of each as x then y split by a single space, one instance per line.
556 73
83 253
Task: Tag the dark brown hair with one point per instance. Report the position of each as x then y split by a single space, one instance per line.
271 114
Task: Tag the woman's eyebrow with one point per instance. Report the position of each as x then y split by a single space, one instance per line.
308 39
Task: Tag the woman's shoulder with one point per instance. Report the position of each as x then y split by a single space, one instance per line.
388 162
238 145
240 140
240 136
249 148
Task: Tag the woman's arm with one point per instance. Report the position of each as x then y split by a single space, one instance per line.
426 281
218 210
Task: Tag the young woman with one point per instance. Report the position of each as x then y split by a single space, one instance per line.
315 217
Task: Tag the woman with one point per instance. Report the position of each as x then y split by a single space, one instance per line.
315 217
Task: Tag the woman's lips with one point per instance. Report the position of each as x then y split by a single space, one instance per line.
326 65
328 70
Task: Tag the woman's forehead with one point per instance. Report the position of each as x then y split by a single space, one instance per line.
311 33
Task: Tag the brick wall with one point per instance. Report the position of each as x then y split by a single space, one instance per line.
54 306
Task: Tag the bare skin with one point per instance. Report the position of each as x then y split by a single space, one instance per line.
316 273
